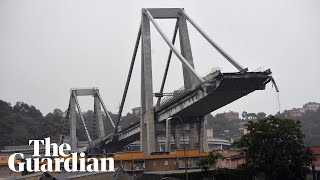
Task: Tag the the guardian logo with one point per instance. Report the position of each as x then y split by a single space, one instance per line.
71 162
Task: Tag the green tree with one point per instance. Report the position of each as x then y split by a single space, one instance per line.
54 124
205 163
261 115
275 146
19 123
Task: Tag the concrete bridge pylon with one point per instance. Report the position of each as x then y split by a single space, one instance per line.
190 76
71 117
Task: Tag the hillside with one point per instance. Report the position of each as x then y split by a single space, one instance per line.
22 122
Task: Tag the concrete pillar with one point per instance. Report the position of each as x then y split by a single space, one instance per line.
168 135
189 80
73 124
177 133
193 137
98 112
147 133
143 134
203 141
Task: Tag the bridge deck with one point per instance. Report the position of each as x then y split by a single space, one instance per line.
218 90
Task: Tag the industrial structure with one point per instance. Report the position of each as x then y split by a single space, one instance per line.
97 121
182 111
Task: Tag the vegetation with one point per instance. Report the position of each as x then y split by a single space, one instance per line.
275 146
225 129
208 162
22 122
19 123
310 122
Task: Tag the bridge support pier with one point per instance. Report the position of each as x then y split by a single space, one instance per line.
147 133
203 141
193 136
168 135
73 124
177 136
97 110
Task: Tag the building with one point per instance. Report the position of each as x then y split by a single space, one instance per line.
316 161
243 128
296 112
137 162
209 133
134 163
231 159
230 116
5 171
215 144
311 106
136 110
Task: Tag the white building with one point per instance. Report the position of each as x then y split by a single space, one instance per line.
311 106
136 110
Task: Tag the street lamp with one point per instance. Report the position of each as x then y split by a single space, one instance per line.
184 144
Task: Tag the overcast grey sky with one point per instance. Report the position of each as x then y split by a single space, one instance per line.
48 47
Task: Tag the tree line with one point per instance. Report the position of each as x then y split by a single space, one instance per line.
310 124
21 122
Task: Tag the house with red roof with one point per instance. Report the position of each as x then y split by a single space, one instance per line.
316 161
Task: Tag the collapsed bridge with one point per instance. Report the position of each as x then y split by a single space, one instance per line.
185 109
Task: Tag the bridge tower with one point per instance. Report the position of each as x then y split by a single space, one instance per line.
199 96
148 131
71 117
